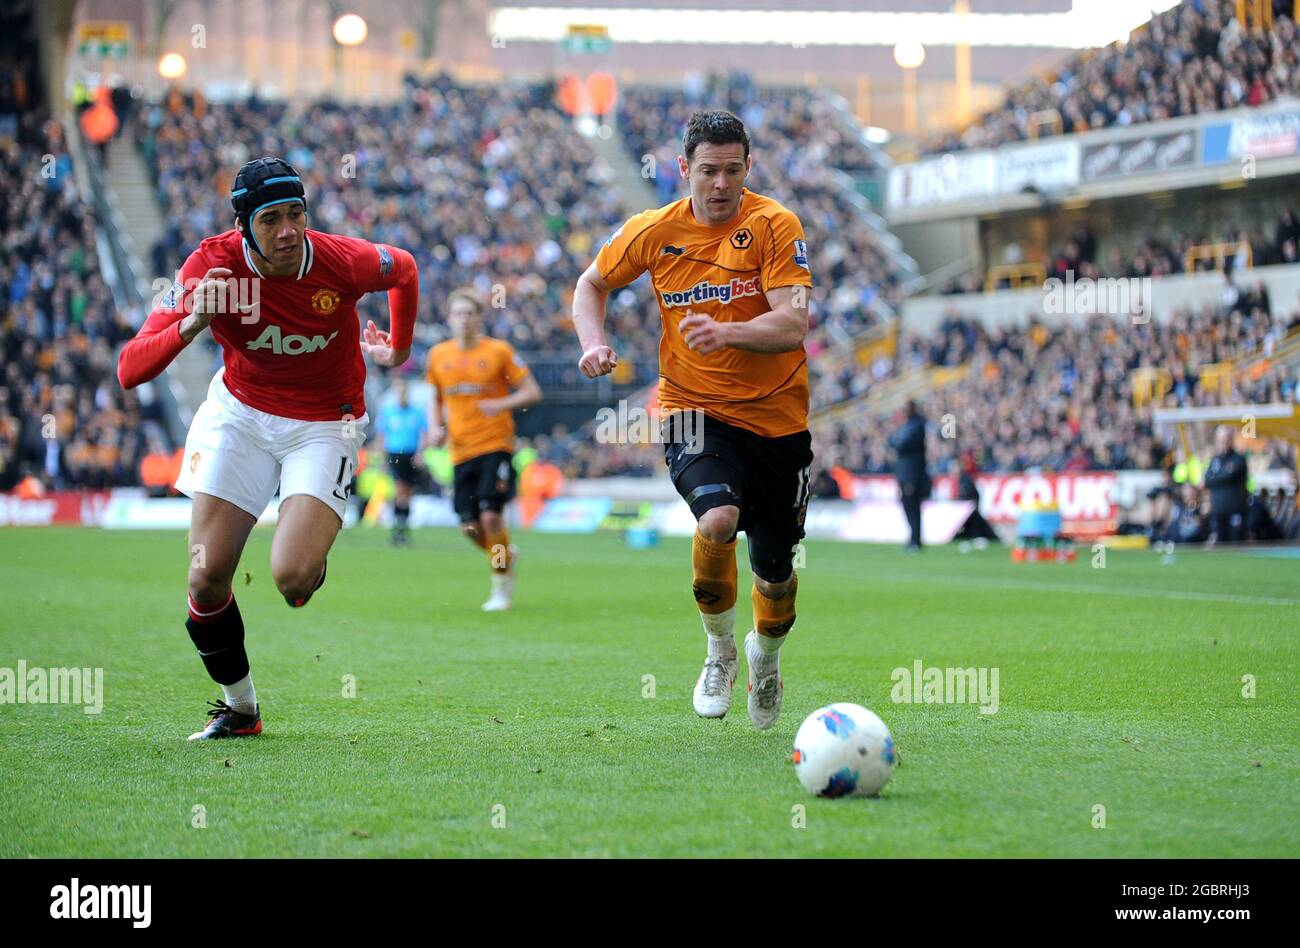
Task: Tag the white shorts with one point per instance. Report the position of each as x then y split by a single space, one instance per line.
242 455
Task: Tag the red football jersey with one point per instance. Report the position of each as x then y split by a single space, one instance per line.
291 344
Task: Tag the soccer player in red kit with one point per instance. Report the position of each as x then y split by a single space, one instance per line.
287 410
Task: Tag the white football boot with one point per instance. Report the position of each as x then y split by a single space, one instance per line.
713 687
765 685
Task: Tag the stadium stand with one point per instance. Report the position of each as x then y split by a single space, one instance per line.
1060 397
1196 57
64 423
1232 247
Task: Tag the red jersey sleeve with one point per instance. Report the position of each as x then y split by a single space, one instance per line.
159 340
382 267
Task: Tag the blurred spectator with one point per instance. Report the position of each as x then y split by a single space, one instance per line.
1226 481
908 442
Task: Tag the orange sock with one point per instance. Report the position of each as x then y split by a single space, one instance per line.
498 550
714 583
775 617
478 539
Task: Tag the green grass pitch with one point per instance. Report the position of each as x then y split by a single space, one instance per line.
531 733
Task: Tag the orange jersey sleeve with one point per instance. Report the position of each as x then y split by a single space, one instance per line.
785 260
622 259
513 368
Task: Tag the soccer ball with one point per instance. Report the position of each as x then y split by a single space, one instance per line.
843 750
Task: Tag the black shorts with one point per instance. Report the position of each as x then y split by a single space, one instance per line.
402 466
486 482
767 478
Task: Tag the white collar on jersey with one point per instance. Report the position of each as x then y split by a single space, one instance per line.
308 258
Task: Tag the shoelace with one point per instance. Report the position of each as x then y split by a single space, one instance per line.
715 678
218 709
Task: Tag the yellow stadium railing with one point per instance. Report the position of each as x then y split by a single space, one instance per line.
1217 375
1150 385
1218 253
1020 275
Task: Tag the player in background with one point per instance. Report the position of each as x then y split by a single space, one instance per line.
476 383
730 270
286 411
402 426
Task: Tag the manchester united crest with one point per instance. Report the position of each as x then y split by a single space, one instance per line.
325 301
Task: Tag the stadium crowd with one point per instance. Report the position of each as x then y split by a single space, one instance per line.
64 423
1060 398
1243 245
1196 57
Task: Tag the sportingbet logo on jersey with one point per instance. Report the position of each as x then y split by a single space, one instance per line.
706 292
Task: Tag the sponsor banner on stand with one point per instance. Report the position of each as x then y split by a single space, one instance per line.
1086 499
1262 135
1148 154
71 508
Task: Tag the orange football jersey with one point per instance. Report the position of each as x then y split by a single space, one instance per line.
722 272
464 377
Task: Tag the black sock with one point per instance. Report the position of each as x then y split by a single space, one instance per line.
402 511
221 644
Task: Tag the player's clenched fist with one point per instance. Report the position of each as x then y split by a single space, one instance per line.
703 333
211 297
598 361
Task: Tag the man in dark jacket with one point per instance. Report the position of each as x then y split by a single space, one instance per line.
1226 480
913 480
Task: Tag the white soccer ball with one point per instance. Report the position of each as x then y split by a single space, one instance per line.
843 750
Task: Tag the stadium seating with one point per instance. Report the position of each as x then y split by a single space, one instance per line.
63 418
1059 397
1194 58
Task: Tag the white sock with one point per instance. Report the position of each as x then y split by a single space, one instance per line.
241 695
767 652
721 629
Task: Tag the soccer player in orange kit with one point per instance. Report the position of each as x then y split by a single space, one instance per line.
730 270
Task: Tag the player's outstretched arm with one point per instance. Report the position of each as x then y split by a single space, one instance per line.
174 323
528 394
382 267
436 424
589 299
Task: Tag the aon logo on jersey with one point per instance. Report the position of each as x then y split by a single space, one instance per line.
290 345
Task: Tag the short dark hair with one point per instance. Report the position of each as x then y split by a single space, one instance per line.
715 126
